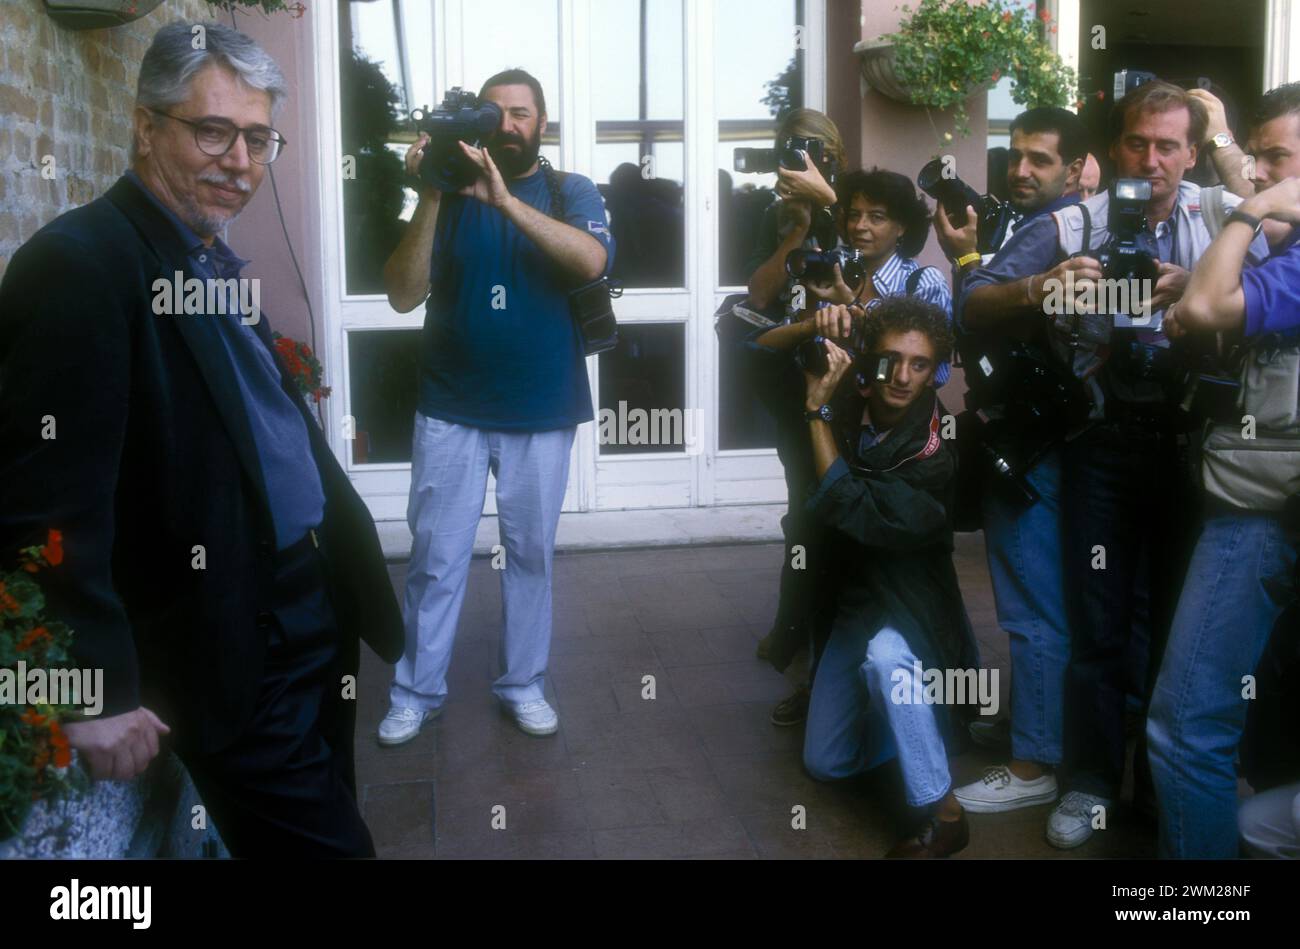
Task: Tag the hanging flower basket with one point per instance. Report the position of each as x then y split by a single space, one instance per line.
946 51
876 57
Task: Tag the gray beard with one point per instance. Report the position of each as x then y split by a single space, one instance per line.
202 224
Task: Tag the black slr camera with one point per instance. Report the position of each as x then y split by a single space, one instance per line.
818 266
866 368
460 118
1131 252
766 161
954 196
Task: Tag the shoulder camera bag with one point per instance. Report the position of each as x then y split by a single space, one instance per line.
591 305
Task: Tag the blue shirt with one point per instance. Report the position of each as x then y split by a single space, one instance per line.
501 350
289 472
1272 290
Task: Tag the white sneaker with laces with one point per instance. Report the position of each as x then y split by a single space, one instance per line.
1071 822
999 790
535 718
402 724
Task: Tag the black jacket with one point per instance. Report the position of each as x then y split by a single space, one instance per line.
890 512
153 456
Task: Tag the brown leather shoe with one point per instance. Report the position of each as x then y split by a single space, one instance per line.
937 839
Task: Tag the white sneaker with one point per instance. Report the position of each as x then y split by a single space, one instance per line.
402 724
1071 823
535 718
1000 790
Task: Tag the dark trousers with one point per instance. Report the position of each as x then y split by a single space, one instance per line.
1126 489
286 787
806 607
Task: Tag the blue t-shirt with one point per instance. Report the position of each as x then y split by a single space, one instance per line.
501 350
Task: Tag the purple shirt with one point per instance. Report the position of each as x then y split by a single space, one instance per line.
1272 290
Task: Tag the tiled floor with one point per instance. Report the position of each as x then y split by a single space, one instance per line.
698 771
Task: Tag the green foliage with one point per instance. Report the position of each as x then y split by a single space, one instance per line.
35 760
945 50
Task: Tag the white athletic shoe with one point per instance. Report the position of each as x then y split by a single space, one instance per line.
535 718
1071 823
402 724
1000 790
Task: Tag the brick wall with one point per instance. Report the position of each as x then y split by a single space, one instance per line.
66 94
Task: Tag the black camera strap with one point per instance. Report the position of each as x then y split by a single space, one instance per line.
591 306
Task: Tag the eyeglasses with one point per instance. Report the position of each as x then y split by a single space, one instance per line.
216 137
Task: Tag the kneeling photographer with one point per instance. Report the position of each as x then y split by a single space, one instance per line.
881 224
885 481
498 245
1127 487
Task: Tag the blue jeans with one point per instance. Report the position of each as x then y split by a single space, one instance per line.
1027 569
1239 581
450 465
853 726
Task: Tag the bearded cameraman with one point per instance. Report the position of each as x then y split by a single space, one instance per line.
503 387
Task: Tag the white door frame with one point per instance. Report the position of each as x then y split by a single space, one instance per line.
706 477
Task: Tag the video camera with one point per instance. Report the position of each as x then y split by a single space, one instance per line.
954 195
460 118
766 161
818 266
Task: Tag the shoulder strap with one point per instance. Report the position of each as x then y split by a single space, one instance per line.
914 280
1213 211
1087 228
553 180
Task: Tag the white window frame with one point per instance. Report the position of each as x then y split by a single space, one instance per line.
707 477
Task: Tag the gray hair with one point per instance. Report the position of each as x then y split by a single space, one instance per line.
173 60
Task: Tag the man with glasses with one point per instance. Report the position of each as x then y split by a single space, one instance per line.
219 567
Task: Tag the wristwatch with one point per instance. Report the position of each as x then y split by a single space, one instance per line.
1245 218
1222 140
821 414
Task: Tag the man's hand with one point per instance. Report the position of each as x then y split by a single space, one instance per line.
1218 118
1279 203
1169 286
808 184
120 747
414 157
836 322
489 187
837 291
1085 269
956 241
819 389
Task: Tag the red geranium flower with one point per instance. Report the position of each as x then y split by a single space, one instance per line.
30 639
53 549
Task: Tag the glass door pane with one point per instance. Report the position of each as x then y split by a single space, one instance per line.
638 105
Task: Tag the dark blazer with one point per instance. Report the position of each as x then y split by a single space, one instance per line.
152 456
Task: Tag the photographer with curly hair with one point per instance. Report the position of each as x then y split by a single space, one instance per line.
885 489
